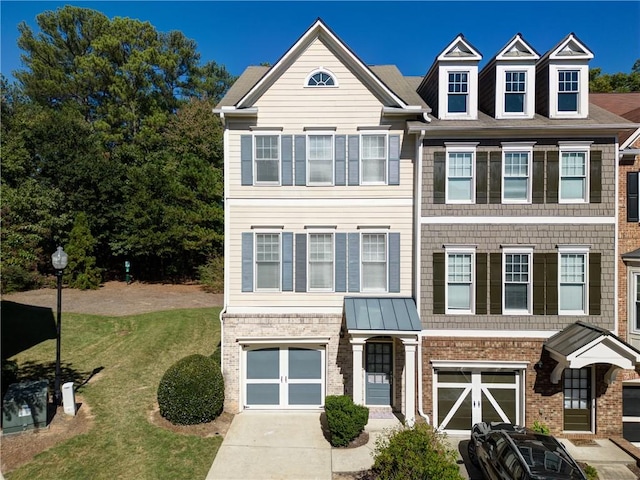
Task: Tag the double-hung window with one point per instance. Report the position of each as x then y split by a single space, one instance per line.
268 261
568 90
460 174
514 92
572 281
374 262
320 160
458 92
460 280
320 261
517 281
374 158
267 159
516 174
573 176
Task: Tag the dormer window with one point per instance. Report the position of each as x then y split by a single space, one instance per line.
321 78
568 90
515 88
458 92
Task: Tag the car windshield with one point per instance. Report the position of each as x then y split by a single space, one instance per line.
545 457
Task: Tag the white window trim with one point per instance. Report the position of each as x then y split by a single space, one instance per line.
321 133
634 272
370 133
579 147
472 94
518 251
255 260
254 146
461 148
583 91
529 91
321 70
361 266
463 249
333 260
516 148
580 250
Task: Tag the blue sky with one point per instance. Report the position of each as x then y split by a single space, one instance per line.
407 34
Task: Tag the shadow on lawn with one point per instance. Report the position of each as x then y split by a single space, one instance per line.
24 326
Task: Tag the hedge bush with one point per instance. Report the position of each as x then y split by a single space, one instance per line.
345 419
417 452
191 391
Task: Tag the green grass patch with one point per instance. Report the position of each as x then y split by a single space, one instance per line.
131 354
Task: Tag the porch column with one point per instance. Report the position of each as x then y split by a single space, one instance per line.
357 347
410 380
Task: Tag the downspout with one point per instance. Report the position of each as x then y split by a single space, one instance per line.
225 150
616 163
418 264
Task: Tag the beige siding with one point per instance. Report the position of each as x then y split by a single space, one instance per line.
294 219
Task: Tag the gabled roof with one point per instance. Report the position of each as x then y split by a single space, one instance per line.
633 255
582 344
319 30
627 105
517 49
570 47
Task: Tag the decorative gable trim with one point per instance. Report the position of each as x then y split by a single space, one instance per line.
322 32
459 49
517 49
570 47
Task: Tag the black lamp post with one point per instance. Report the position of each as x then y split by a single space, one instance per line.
59 260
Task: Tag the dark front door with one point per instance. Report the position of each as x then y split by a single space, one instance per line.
379 373
577 399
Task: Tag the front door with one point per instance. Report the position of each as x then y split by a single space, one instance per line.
379 370
468 397
284 377
577 399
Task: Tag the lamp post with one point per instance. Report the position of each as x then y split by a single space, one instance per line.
59 261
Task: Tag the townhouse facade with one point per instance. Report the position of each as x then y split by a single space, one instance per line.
440 246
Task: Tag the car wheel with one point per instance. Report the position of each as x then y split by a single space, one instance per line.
471 450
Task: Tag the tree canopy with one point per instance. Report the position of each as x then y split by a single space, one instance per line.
616 82
110 122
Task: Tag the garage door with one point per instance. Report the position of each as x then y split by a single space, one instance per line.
631 413
284 377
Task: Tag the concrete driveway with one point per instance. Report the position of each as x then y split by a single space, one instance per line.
273 445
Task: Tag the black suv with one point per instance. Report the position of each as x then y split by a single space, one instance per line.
509 452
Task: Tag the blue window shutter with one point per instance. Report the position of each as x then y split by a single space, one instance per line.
394 159
341 262
354 159
246 159
286 149
301 262
341 157
247 261
354 262
287 262
301 160
394 262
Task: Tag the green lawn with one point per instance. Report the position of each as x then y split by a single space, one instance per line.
132 353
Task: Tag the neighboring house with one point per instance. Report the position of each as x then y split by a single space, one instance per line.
423 244
627 105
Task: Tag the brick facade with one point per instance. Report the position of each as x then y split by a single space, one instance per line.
543 400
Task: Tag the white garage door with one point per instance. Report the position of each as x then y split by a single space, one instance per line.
284 377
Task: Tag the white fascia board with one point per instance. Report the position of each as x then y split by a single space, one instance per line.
503 54
279 310
486 364
514 334
631 140
480 220
236 112
315 31
499 130
286 340
321 202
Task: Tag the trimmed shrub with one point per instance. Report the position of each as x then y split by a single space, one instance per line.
191 391
345 419
416 452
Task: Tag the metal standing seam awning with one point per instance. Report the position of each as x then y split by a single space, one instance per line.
382 314
582 344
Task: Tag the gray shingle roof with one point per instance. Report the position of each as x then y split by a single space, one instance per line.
398 84
242 85
578 335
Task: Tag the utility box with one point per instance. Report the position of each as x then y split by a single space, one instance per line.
25 406
69 398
